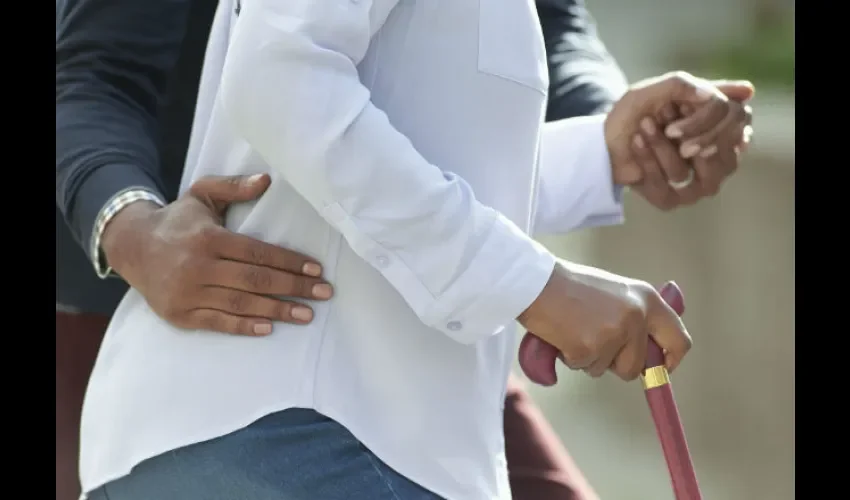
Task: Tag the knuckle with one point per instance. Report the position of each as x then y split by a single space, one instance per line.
205 237
577 356
237 301
234 180
643 289
303 286
283 310
291 285
257 278
687 342
199 187
241 326
681 78
258 254
634 314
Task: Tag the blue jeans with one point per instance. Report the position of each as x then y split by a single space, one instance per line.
295 454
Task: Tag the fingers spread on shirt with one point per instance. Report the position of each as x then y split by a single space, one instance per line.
251 305
241 248
265 280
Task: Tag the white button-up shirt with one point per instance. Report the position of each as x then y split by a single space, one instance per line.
406 144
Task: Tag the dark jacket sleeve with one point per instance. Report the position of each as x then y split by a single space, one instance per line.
584 78
113 59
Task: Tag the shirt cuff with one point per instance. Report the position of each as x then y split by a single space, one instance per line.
605 197
508 274
116 204
95 192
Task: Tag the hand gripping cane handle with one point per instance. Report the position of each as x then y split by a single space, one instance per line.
537 360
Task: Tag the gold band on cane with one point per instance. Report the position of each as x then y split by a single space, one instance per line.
655 377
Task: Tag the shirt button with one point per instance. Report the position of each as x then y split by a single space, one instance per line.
454 326
382 260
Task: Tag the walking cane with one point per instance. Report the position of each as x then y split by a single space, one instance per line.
537 359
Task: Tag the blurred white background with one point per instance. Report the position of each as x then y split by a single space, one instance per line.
733 256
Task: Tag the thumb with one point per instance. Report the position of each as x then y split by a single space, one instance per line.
667 328
682 88
220 191
737 90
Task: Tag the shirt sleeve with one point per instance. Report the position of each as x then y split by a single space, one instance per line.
290 88
584 78
575 185
113 58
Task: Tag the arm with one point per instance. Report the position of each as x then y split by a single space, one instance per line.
112 62
584 78
462 267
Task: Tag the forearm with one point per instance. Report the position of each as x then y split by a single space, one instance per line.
584 79
575 186
294 95
112 62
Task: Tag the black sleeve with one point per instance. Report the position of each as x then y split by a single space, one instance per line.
584 78
113 59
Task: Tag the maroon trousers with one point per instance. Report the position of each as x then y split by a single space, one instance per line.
539 467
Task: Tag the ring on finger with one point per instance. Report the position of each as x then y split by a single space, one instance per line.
685 183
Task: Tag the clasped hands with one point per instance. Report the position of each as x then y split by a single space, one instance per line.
675 138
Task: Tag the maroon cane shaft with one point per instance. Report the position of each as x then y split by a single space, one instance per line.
671 434
665 414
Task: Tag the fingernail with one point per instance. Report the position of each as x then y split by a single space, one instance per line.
648 126
255 179
312 269
673 132
638 140
689 150
262 329
302 313
705 153
322 291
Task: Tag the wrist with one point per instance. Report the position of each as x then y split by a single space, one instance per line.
534 317
619 142
120 239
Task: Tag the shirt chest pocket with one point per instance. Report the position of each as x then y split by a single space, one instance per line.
510 43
